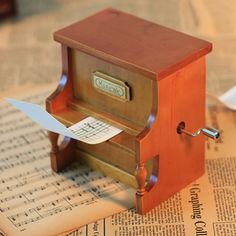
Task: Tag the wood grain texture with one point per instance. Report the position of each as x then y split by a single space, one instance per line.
82 68
62 154
173 92
133 43
181 158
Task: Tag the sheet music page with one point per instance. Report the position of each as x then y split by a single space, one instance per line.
205 207
36 201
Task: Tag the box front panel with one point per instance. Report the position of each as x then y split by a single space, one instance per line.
136 107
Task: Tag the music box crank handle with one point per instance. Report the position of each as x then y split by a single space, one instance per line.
208 131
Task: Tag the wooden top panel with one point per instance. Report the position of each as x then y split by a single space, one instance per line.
133 43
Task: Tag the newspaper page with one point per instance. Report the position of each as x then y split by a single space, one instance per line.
205 207
36 201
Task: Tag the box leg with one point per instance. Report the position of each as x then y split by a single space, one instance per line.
62 154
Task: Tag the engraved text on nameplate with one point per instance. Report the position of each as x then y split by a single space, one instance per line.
111 86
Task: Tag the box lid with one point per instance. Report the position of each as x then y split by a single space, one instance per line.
133 43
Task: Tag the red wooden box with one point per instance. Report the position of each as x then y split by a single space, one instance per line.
165 73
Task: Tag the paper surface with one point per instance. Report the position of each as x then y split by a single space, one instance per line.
229 98
36 201
89 130
93 131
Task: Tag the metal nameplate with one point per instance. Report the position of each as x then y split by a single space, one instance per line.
111 86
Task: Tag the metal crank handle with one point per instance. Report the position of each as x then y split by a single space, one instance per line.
208 131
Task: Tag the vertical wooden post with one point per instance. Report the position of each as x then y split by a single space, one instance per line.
61 155
141 175
53 137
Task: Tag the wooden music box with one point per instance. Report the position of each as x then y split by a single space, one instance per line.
145 79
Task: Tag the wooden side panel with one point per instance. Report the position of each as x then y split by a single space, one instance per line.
58 100
61 154
181 97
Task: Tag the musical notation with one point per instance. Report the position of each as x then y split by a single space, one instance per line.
64 203
55 185
90 130
93 131
30 192
28 156
69 190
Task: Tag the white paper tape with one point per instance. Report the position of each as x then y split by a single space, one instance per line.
89 130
